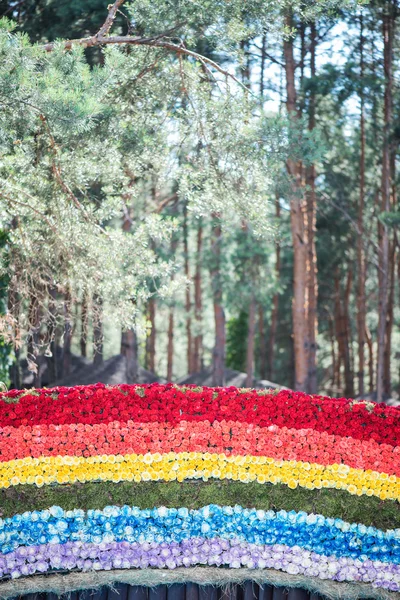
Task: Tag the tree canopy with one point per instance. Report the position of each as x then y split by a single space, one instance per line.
145 178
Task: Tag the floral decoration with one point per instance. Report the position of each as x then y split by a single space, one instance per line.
169 433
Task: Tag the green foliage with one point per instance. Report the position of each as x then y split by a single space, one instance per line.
49 20
392 219
236 340
74 139
89 135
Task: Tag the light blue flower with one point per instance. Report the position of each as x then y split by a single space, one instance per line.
56 511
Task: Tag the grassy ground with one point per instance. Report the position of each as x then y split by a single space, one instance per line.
328 502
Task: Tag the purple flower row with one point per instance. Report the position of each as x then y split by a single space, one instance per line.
196 551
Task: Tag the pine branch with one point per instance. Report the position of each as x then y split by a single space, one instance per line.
101 38
30 207
165 202
108 23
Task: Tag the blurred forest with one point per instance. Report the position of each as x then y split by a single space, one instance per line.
309 301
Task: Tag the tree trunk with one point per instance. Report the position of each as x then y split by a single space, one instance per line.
349 371
129 342
398 279
262 343
383 233
262 66
151 338
67 354
14 309
387 386
261 324
171 325
245 68
218 367
84 323
368 339
129 349
338 374
33 341
170 350
52 359
333 355
275 301
98 335
387 383
361 263
342 336
312 284
198 339
188 303
299 233
250 343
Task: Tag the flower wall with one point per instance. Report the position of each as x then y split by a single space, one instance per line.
329 454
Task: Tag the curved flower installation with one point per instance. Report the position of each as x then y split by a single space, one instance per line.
171 434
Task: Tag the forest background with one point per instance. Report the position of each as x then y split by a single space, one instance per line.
218 189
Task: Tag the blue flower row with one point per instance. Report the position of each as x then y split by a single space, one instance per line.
116 524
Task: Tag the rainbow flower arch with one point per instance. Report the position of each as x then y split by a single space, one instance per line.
166 483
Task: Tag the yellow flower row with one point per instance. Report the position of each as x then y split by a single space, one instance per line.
196 465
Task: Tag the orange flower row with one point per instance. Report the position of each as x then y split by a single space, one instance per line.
221 437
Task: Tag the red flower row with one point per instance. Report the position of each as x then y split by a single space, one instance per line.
168 403
220 437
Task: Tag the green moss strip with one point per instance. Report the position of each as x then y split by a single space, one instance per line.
330 503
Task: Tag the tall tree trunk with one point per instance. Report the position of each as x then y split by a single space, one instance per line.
275 300
301 99
333 355
245 68
261 323
262 343
129 342
129 349
387 387
361 263
198 339
33 341
67 354
371 362
342 336
52 358
14 310
339 328
383 233
251 329
262 66
312 284
98 357
151 337
398 279
171 325
170 349
218 366
15 371
188 303
349 371
84 323
338 373
298 229
387 383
